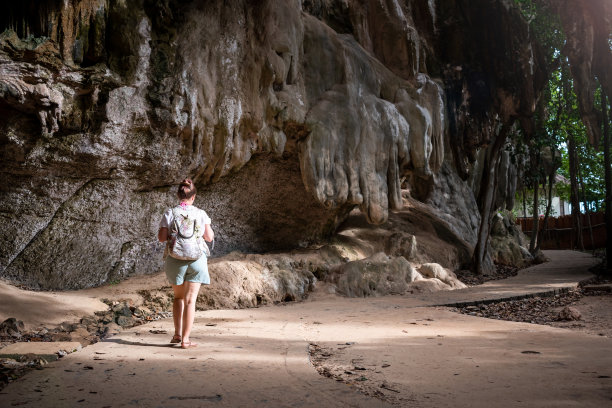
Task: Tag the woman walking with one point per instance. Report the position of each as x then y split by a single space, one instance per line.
182 228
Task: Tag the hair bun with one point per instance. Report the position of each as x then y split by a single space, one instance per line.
186 182
186 189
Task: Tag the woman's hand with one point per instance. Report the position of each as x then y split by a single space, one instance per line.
209 235
162 234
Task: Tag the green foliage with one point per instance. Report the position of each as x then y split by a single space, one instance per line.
546 28
592 172
558 119
540 149
517 211
591 160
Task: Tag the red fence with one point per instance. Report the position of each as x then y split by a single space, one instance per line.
559 233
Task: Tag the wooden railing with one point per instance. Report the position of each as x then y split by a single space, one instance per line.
560 233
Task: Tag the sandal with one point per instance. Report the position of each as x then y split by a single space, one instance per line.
176 339
188 344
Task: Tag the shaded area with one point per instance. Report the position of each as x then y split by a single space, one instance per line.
394 349
265 207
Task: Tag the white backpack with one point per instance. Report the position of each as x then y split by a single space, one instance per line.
185 238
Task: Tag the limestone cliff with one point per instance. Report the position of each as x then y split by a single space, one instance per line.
288 114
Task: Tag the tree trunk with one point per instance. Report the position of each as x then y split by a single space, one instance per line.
524 203
486 200
551 180
587 212
607 117
535 216
573 168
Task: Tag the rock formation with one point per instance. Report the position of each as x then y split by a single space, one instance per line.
287 114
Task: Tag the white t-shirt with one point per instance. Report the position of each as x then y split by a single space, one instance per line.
190 210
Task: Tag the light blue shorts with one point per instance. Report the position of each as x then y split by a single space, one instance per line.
179 271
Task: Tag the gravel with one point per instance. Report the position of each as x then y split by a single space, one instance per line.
539 310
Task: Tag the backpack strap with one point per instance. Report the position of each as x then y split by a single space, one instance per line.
174 224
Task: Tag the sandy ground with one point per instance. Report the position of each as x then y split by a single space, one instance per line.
375 353
48 309
336 352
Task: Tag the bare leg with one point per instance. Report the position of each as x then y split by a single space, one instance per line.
191 294
178 305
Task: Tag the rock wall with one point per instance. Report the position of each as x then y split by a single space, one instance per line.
287 114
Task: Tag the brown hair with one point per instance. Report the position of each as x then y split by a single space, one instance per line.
186 189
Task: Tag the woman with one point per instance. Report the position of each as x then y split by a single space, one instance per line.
186 276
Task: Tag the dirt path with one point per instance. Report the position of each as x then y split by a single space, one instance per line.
430 357
249 358
337 352
398 354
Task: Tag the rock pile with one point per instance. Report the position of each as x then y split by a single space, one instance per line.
538 310
501 272
123 314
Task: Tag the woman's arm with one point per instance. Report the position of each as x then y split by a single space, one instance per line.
209 235
162 234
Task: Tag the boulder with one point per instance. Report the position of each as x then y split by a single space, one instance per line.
506 242
377 275
433 270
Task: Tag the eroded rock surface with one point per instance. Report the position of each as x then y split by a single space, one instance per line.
288 115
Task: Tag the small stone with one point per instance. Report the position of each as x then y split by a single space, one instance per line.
66 327
107 317
142 311
122 309
125 321
89 321
11 327
569 313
